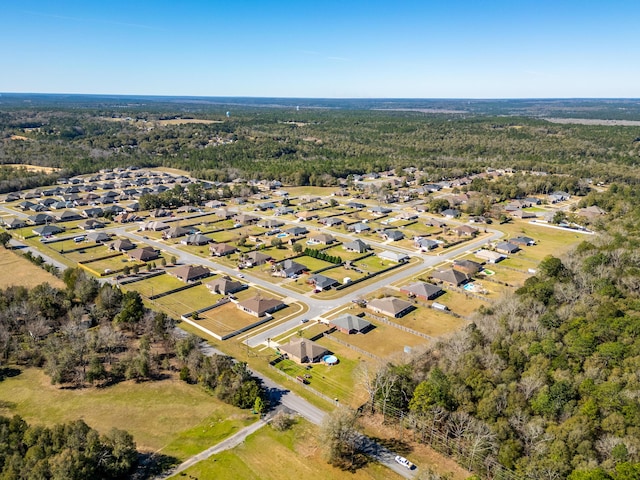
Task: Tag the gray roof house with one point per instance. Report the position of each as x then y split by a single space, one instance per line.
350 324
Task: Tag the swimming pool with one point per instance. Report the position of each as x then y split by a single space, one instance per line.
469 287
282 235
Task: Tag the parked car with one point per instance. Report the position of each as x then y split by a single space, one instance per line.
404 462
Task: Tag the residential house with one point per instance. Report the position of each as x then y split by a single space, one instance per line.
92 212
379 210
221 249
358 227
393 256
467 266
357 246
270 223
225 286
331 221
450 213
122 245
391 306
306 215
155 226
260 306
465 231
322 283
265 206
490 256
196 239
190 273
98 237
40 218
323 239
424 244
282 211
507 248
393 235
297 231
144 254
14 222
523 214
47 230
288 268
350 324
422 290
302 350
91 224
253 259
451 276
526 241
356 205
177 231
556 197
244 219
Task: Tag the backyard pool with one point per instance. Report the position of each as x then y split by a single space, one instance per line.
282 235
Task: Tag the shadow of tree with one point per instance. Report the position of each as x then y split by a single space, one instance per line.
9 372
394 444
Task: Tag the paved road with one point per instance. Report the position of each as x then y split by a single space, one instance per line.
317 308
296 404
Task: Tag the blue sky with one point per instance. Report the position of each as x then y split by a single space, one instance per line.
327 48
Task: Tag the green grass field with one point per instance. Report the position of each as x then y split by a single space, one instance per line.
225 319
168 416
186 301
312 263
154 285
290 455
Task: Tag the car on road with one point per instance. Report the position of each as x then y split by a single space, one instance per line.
404 462
240 275
304 320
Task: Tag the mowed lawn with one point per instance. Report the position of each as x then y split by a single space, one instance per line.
187 301
426 320
549 241
154 285
290 455
225 319
382 341
169 415
16 270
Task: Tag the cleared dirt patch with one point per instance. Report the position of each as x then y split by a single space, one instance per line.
182 121
31 168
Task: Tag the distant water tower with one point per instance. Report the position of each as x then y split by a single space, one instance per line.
228 114
297 108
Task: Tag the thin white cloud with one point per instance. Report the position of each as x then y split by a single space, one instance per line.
91 20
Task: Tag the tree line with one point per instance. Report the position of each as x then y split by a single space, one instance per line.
543 384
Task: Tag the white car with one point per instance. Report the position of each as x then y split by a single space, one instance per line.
404 462
240 275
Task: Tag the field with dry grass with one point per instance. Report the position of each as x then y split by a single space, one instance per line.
16 270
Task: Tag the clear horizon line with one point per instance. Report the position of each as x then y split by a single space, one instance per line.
307 98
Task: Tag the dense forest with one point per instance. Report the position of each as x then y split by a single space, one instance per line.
545 383
63 452
92 334
310 146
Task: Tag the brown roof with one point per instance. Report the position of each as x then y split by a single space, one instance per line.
143 254
303 350
390 305
224 285
188 273
221 249
260 305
